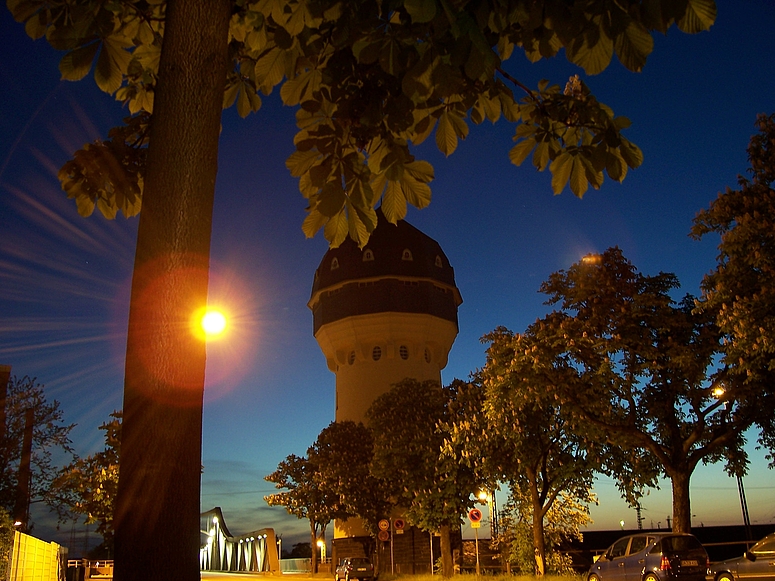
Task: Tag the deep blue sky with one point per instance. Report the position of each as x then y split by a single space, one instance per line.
64 279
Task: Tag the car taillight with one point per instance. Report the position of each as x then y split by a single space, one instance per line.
664 564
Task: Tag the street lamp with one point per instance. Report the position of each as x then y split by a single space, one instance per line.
322 545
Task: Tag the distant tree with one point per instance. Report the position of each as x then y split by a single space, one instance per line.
434 488
638 370
6 541
300 551
513 431
88 486
49 436
304 496
741 290
343 452
562 522
370 78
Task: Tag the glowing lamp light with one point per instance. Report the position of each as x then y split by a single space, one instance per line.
208 323
213 323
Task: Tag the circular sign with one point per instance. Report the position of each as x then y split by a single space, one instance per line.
474 515
384 524
399 524
383 535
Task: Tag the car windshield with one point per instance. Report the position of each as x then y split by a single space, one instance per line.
359 562
764 546
680 544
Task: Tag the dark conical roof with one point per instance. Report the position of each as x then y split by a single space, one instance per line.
400 270
385 255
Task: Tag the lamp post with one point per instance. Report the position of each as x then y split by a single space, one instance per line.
322 545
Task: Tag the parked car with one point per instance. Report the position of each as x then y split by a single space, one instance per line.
652 557
354 568
756 564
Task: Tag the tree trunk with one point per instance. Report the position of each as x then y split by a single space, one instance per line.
447 564
157 504
682 512
539 548
313 537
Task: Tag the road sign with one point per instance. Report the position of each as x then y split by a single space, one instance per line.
475 524
383 535
399 524
474 515
384 524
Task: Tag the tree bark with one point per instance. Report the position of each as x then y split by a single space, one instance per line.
157 504
539 548
682 512
313 541
445 545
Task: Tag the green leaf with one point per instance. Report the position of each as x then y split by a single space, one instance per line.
578 177
421 10
634 45
248 100
521 150
416 192
699 16
593 54
76 64
561 170
394 202
270 68
541 155
112 63
631 153
446 140
331 199
356 228
299 162
420 170
312 223
336 229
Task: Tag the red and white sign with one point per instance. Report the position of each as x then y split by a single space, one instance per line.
475 515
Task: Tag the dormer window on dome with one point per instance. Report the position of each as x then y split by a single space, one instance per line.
439 263
407 255
368 255
335 263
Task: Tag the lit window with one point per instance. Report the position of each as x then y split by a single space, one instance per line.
334 263
376 353
403 351
368 255
407 255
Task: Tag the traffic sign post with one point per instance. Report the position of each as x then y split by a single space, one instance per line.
475 516
398 526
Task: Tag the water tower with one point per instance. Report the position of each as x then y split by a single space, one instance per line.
382 314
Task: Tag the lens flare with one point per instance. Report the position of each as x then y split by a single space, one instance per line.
213 323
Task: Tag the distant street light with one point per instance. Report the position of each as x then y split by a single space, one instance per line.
322 545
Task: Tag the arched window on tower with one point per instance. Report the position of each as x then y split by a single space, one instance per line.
407 255
368 255
376 353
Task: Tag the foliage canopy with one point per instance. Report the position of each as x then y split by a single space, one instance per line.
49 436
370 80
741 289
88 485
